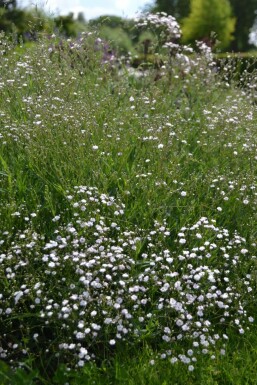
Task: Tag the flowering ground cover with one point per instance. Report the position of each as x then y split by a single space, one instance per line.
128 217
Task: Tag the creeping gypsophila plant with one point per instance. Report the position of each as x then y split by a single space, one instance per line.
99 282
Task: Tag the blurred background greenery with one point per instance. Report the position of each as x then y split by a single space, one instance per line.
232 22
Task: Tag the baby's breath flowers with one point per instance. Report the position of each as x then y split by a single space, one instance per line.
141 257
87 286
161 22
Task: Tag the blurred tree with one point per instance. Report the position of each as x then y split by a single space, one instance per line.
117 38
147 44
127 25
37 21
81 17
206 17
68 26
177 8
13 20
25 23
108 21
8 4
245 13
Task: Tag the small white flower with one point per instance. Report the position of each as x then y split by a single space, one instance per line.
51 264
80 335
18 295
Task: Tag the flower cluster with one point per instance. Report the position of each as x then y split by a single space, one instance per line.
161 22
98 281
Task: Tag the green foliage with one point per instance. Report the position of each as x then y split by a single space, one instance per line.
108 21
177 8
245 14
237 368
12 20
21 376
243 66
25 23
68 26
243 11
8 4
147 43
207 17
115 22
117 38
37 21
28 22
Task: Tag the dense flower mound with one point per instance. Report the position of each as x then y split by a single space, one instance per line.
100 282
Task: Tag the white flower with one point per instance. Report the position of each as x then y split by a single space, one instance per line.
17 297
80 335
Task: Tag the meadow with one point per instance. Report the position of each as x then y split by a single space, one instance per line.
128 217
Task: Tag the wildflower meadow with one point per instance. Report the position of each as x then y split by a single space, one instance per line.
128 214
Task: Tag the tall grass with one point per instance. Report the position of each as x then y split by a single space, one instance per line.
128 218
